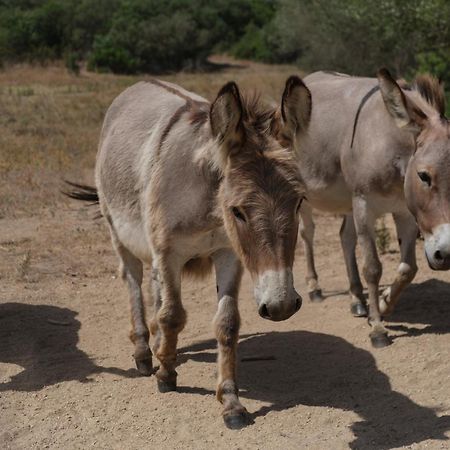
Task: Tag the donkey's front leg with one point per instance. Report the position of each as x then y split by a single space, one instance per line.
307 233
372 269
407 235
171 319
226 324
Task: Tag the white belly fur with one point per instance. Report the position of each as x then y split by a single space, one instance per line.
133 237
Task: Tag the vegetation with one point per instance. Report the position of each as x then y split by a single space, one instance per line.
50 121
155 36
382 236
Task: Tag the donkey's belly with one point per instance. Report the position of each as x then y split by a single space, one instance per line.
335 198
132 236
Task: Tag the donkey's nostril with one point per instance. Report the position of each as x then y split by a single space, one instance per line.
263 312
438 256
298 304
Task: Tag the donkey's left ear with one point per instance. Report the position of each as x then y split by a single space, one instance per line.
404 111
295 107
226 113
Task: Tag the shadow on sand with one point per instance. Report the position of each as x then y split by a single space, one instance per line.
318 369
43 340
427 303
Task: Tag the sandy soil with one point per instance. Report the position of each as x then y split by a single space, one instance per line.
67 377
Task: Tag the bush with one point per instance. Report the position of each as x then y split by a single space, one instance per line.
129 36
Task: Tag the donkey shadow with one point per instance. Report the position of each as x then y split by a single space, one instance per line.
315 369
426 303
43 340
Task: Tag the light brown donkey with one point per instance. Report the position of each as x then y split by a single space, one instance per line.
185 185
376 147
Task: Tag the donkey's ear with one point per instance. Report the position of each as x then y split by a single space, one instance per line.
403 110
295 107
226 113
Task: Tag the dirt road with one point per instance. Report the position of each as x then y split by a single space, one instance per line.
67 377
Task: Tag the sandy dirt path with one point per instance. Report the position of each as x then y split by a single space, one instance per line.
67 377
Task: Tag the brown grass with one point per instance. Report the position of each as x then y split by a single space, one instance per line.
50 122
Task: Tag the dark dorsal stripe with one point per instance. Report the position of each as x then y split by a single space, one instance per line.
361 105
335 74
173 120
176 92
199 110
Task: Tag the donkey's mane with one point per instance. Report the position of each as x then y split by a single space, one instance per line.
431 90
256 113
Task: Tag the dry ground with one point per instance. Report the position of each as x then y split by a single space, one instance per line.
66 372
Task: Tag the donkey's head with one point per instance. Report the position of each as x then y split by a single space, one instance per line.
261 192
420 110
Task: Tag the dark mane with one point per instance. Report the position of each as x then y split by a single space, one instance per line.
431 90
257 114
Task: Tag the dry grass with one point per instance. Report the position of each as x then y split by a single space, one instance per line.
50 121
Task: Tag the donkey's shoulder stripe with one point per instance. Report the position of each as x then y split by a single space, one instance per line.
360 107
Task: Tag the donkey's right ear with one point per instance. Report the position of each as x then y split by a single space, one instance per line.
295 107
226 113
405 112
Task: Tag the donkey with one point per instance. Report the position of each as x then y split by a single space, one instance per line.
368 154
186 185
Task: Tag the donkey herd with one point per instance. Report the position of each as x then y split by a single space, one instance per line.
187 186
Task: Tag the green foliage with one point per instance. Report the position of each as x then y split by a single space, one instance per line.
126 36
71 62
129 36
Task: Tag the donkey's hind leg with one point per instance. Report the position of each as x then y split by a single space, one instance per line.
171 318
348 241
226 325
407 235
139 335
307 234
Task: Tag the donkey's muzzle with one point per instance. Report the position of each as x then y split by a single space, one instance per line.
275 294
440 261
275 313
437 248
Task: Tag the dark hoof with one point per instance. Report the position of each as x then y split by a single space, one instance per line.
380 340
237 421
358 309
316 296
165 386
145 367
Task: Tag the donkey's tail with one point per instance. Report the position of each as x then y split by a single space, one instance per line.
81 192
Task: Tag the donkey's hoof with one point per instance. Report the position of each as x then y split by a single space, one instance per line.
316 296
358 309
145 366
237 421
380 340
167 386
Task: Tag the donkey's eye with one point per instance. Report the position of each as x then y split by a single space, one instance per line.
425 177
238 214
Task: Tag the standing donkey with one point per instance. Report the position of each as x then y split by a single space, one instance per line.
375 148
185 185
